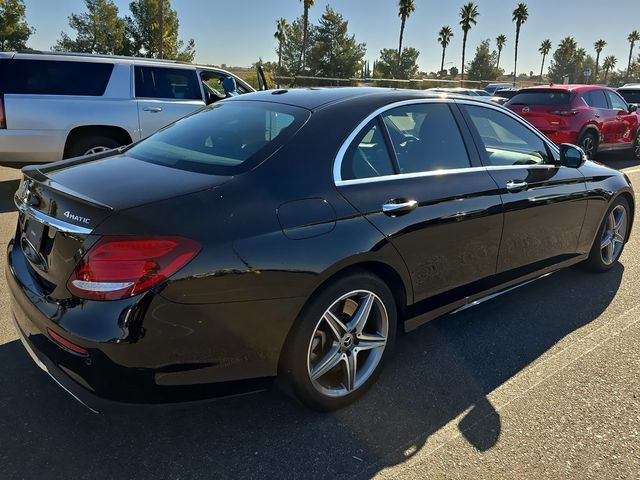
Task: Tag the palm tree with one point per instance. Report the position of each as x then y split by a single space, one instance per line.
501 41
468 17
608 64
405 9
545 48
305 30
444 38
520 15
632 38
599 46
282 32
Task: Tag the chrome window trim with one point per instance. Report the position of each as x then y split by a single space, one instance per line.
51 221
337 164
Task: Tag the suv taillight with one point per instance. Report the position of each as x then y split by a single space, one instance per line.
3 120
120 267
566 113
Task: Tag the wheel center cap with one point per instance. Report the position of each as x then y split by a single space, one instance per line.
347 341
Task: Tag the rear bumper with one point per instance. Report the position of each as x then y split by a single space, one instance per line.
164 360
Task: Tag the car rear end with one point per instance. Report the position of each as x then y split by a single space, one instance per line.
554 111
631 94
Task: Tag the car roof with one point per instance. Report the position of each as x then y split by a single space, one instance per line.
630 86
315 98
568 88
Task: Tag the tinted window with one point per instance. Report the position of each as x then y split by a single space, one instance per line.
223 139
542 97
617 103
171 83
368 155
631 96
596 99
54 77
507 141
426 137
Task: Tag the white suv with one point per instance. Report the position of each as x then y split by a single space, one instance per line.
55 105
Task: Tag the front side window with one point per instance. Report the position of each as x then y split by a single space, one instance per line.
425 138
368 155
223 139
617 103
54 77
507 141
167 83
596 99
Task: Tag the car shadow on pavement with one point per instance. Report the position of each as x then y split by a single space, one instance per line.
442 371
618 160
7 190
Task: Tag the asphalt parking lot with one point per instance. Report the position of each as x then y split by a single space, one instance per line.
539 383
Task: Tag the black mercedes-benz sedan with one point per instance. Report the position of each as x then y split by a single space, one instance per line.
293 234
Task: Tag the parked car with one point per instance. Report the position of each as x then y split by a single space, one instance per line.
631 93
596 118
55 105
470 92
246 247
506 93
493 87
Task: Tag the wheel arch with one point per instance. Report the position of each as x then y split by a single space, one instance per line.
592 128
117 133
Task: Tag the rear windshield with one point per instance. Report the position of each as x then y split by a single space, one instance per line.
543 97
631 96
54 77
223 139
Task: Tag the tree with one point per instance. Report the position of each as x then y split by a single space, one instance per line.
567 61
282 32
292 50
520 16
143 32
444 38
599 46
608 64
387 66
632 38
483 65
453 72
468 17
501 41
14 29
405 9
334 53
307 4
98 30
545 48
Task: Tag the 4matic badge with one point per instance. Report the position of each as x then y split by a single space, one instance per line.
76 218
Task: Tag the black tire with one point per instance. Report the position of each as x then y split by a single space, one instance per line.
588 141
83 145
296 365
596 261
636 147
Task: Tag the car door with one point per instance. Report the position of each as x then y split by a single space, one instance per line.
165 94
411 173
626 123
606 118
544 203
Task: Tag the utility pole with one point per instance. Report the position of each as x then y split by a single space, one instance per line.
161 22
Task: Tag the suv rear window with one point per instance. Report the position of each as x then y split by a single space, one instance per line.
541 97
225 138
631 96
54 77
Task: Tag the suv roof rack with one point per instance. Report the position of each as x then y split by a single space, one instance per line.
101 55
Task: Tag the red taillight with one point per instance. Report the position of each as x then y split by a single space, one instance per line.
565 113
3 120
66 343
120 267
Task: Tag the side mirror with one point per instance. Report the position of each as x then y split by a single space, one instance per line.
633 107
572 156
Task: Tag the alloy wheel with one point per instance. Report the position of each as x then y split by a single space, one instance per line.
614 235
98 149
589 146
636 148
347 343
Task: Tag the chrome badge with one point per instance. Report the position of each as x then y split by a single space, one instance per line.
526 109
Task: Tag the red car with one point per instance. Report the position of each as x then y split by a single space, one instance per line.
594 117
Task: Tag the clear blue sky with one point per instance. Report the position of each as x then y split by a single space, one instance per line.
238 32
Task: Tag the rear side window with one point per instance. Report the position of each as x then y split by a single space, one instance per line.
167 83
425 138
596 99
54 77
631 96
368 155
542 97
223 139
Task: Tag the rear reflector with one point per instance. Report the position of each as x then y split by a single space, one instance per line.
120 267
3 120
67 344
